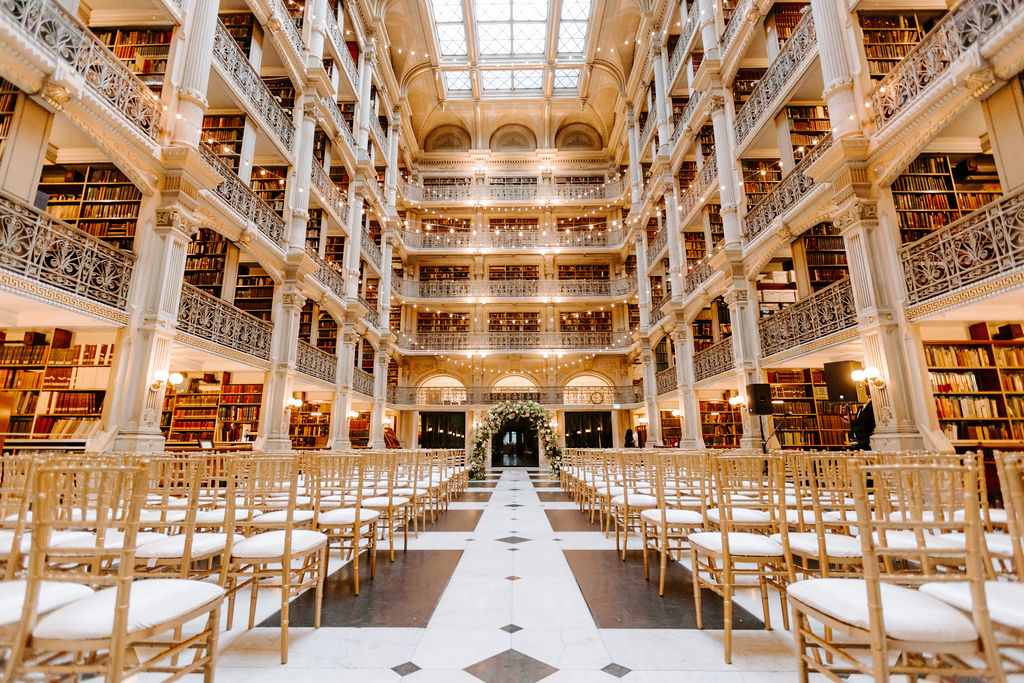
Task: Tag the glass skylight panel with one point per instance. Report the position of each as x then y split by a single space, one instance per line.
457 80
451 39
496 80
566 79
493 10
495 39
528 39
575 10
529 10
572 37
511 27
528 79
447 11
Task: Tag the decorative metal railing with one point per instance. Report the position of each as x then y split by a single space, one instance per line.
676 62
204 315
334 34
371 316
340 122
513 239
666 381
371 249
825 312
657 244
638 393
234 192
315 362
327 274
714 360
504 289
697 275
287 23
40 248
330 197
706 179
448 396
511 341
738 18
470 193
968 23
238 69
362 382
772 85
784 196
378 132
979 247
648 128
658 312
688 112
349 66
66 39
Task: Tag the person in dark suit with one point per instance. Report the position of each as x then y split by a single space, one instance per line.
630 443
862 427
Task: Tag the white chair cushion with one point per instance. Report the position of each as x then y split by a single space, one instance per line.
271 544
740 543
674 517
793 516
908 614
281 516
52 594
636 500
409 492
175 515
836 545
907 540
610 490
56 537
170 501
343 516
283 498
174 546
382 501
999 544
1005 599
743 515
151 602
112 539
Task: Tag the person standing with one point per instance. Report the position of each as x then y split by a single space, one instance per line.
630 443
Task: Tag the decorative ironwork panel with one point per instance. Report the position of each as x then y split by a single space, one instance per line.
38 247
773 84
288 26
240 197
657 244
648 128
611 190
509 341
666 381
784 195
688 113
362 382
327 274
215 320
348 65
339 121
316 362
980 246
658 312
697 275
739 16
953 35
371 250
378 132
825 312
714 360
63 36
684 40
637 393
331 198
239 69
706 179
371 315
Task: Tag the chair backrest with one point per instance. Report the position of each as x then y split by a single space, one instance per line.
269 483
1011 481
15 496
748 492
339 476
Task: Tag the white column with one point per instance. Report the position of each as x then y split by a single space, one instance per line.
661 106
746 349
353 240
347 340
201 26
643 282
367 58
635 179
391 175
835 69
691 436
728 191
651 395
380 381
300 174
288 304
676 255
384 288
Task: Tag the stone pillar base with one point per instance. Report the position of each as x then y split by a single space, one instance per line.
277 444
138 442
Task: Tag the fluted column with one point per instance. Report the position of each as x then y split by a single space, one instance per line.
708 30
661 105
836 73
391 175
384 288
635 179
367 59
380 383
676 255
642 282
691 436
728 191
347 341
313 31
299 177
197 53
651 395
353 240
746 347
274 423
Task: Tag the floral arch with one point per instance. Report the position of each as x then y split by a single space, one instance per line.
496 418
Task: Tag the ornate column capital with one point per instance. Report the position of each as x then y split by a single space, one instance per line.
734 296
716 104
175 219
855 212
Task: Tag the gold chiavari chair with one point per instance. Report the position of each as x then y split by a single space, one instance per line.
380 477
665 528
104 633
748 494
15 477
903 511
635 497
340 513
279 549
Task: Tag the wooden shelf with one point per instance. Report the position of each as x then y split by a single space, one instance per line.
96 198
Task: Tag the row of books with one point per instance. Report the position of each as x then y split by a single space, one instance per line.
239 413
912 202
1015 406
969 407
83 354
84 377
1010 356
71 403
957 356
66 428
971 432
923 183
21 379
25 403
17 354
951 382
1012 381
109 211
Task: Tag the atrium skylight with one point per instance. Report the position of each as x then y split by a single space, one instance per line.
572 27
457 80
566 79
451 27
511 27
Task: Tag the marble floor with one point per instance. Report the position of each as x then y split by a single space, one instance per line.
511 585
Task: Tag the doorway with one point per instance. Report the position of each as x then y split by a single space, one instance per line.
591 429
516 445
442 430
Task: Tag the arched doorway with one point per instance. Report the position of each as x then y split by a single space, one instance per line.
517 444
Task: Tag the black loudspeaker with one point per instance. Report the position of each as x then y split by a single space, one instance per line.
759 399
839 381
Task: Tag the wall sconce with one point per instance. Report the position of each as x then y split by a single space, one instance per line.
353 414
870 375
737 400
642 420
677 413
291 403
163 378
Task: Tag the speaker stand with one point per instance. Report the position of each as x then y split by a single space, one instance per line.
765 439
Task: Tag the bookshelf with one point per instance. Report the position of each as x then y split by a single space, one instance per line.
313 228
825 254
8 101
570 223
191 414
306 316
310 425
392 379
327 333
359 430
702 330
633 316
937 189
500 224
238 415
143 49
812 420
334 249
696 246
687 174
784 16
743 85
720 424
395 318
510 321
447 225
586 321
671 428
320 143
583 271
223 133
889 37
759 177
204 264
96 198
268 182
439 321
240 26
254 291
434 273
283 90
57 388
808 124
706 139
513 272
366 356
978 386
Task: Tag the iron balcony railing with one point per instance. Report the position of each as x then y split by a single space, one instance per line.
514 239
207 317
824 313
511 289
39 248
666 380
698 274
468 193
328 194
714 360
513 341
362 382
234 192
547 395
371 316
327 274
371 250
340 122
315 362
694 195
